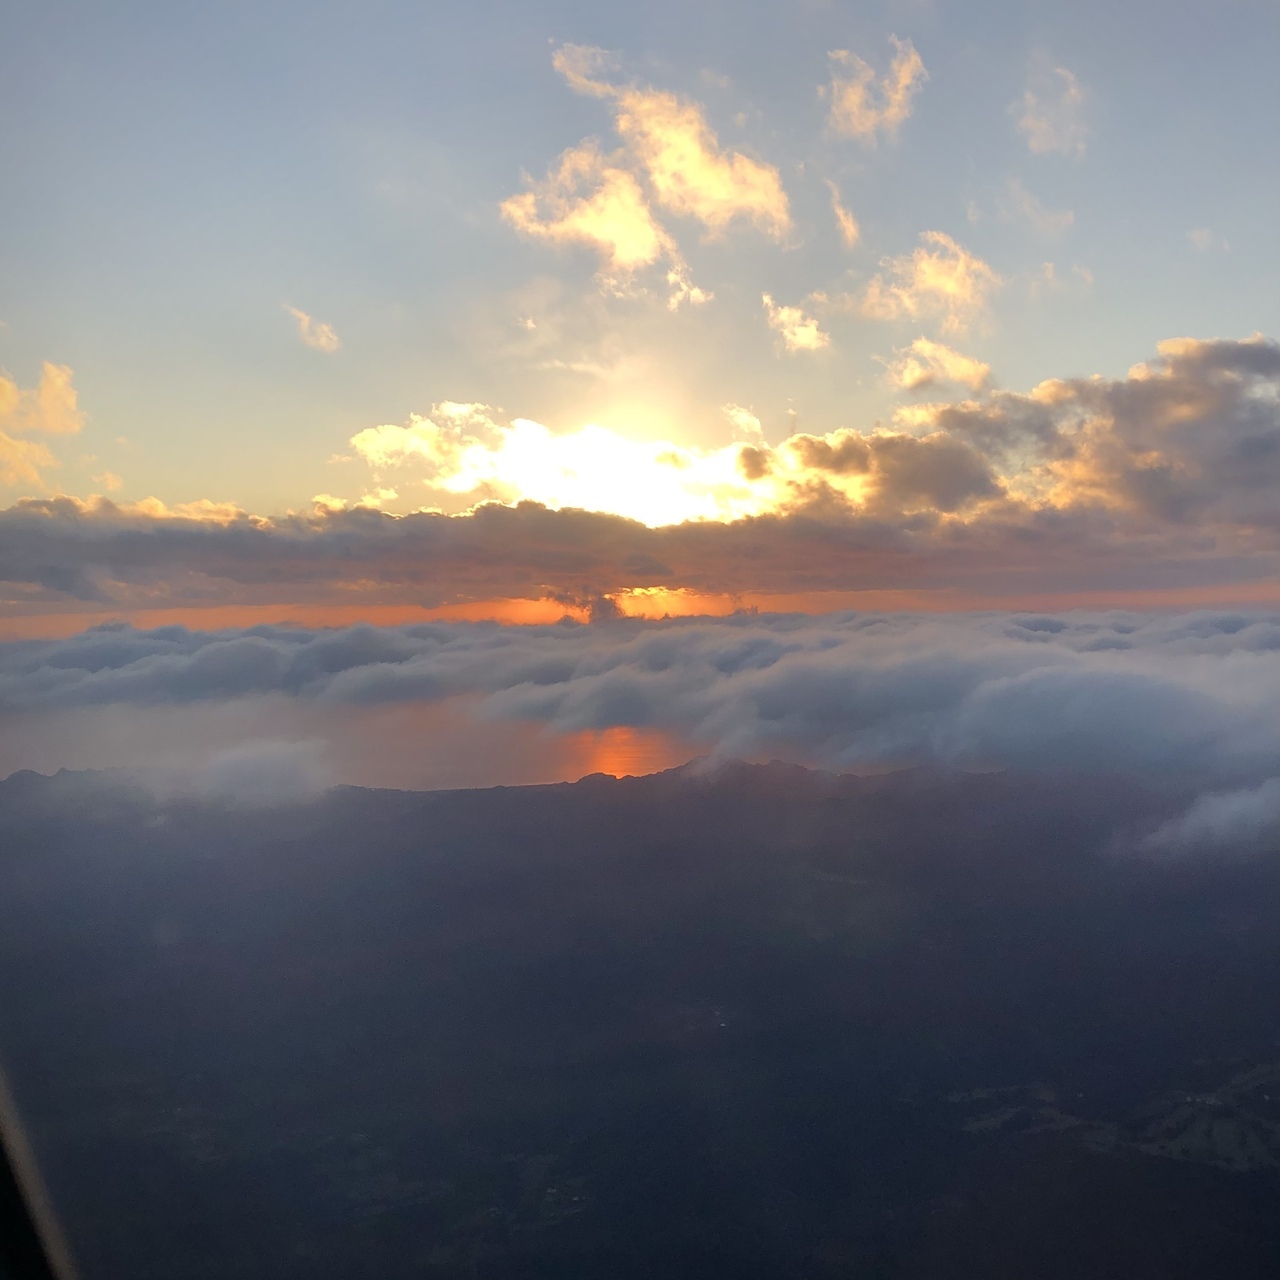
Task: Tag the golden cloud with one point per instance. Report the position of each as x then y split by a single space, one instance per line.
691 175
926 363
670 159
588 199
862 107
938 279
850 232
50 408
800 331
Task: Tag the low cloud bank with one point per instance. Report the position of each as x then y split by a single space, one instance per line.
1186 695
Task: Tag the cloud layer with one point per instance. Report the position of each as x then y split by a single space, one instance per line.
1193 695
1167 478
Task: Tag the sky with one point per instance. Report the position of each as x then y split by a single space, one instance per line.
332 316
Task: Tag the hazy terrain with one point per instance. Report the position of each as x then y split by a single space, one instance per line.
757 1022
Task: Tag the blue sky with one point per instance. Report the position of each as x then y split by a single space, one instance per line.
179 174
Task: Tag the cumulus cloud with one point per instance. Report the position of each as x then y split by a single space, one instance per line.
670 159
940 280
850 232
1050 114
799 330
925 364
48 409
1189 696
866 108
314 334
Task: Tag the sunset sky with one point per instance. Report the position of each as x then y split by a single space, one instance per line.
322 316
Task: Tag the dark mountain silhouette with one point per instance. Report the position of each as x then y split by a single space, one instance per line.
751 1021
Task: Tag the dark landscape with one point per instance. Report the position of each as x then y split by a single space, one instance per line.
751 1021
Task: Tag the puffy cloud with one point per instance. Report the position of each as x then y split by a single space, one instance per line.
939 279
850 232
690 173
926 363
1050 113
746 426
670 157
1191 696
589 200
314 334
862 107
800 331
48 409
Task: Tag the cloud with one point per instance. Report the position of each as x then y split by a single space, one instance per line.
670 159
1167 479
861 107
1204 239
1187 697
49 409
799 330
926 363
1050 113
1230 821
746 426
317 336
1018 204
589 200
691 175
261 773
939 279
850 232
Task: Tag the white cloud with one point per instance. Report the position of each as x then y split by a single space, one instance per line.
314 334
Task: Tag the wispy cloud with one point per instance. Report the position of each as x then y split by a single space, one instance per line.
1017 204
1051 112
314 334
866 108
850 232
1205 240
